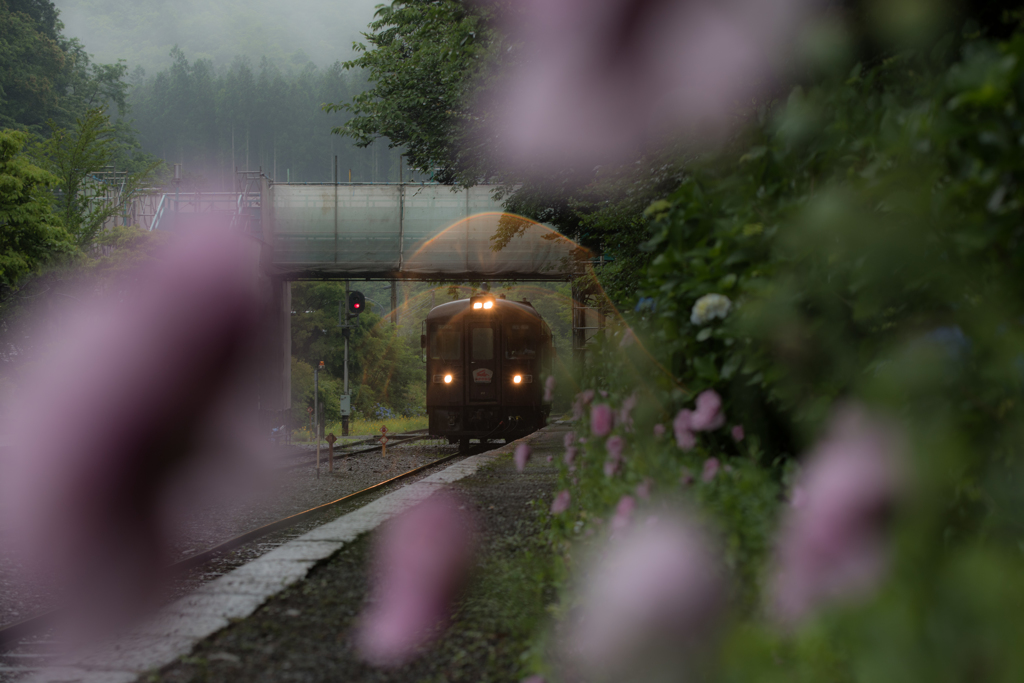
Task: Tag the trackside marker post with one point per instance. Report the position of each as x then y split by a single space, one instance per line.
331 438
383 441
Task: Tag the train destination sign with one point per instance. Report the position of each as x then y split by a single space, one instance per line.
483 375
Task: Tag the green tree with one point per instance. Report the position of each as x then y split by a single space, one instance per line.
30 234
423 58
73 156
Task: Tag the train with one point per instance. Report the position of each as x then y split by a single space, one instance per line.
487 359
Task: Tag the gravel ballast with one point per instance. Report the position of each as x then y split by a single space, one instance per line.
305 632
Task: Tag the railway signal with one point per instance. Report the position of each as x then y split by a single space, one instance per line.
356 303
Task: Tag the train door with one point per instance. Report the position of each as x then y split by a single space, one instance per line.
483 375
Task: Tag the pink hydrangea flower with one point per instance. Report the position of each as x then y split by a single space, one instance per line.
611 466
833 544
420 560
522 456
711 466
685 437
561 502
549 388
623 514
602 419
615 445
652 601
708 414
737 433
570 100
659 430
570 456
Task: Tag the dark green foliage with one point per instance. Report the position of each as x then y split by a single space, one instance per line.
384 366
422 58
72 155
45 76
30 234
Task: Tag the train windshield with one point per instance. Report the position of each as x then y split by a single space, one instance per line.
520 341
483 343
445 342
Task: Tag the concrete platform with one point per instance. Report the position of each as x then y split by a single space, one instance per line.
176 629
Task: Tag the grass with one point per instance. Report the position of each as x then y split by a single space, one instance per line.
361 427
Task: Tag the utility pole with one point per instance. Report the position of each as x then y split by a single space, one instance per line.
344 332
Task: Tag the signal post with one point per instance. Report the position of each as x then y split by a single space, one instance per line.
355 303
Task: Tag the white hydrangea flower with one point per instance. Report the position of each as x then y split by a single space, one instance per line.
709 307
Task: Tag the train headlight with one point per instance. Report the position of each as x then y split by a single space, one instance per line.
488 304
448 379
516 379
477 305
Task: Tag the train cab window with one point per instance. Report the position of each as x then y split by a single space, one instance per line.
483 343
445 342
520 341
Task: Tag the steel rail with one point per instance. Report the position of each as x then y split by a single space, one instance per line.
345 454
12 633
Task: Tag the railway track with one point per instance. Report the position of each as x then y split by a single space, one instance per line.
392 441
12 634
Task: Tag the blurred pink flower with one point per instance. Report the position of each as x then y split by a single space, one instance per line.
623 514
585 396
522 456
708 414
628 339
625 417
420 560
653 601
711 466
659 430
798 498
603 393
685 437
643 489
615 445
549 388
569 439
570 456
737 433
833 543
602 419
561 502
110 440
596 81
611 466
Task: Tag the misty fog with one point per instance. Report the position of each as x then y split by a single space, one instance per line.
143 31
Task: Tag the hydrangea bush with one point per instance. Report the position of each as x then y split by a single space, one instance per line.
825 370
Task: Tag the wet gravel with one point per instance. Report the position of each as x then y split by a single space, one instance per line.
305 633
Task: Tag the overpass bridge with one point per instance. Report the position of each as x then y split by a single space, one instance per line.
411 231
354 231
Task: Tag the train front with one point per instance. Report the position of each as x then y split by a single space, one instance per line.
486 360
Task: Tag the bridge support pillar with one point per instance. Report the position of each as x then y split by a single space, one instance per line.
276 356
